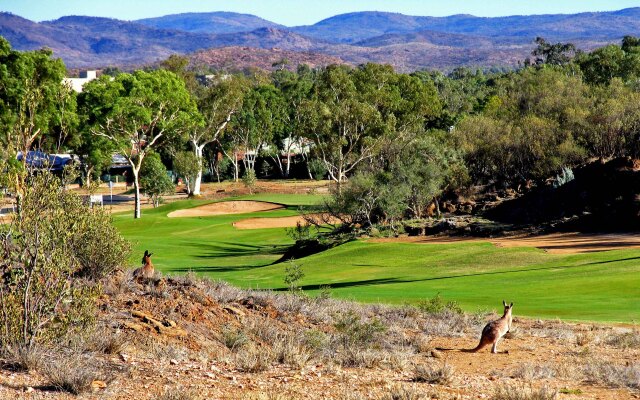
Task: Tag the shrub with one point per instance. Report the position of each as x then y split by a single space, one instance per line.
353 332
51 245
154 178
249 180
233 338
292 275
437 305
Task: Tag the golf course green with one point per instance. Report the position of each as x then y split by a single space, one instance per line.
597 286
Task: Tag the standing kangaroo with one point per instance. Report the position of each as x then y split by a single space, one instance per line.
147 270
495 330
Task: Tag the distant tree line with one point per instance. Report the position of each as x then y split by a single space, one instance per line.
391 142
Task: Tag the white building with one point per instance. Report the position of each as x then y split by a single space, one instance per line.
77 83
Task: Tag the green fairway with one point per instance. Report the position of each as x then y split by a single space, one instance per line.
601 286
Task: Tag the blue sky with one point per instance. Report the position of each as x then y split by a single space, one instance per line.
301 12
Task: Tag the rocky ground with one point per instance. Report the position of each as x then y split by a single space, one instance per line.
185 338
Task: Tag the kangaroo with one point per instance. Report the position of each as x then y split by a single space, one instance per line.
147 270
494 331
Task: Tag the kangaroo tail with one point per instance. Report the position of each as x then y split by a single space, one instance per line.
475 349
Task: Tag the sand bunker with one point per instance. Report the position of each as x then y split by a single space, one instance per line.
263 223
557 243
226 207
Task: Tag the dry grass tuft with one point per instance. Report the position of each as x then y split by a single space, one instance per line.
612 375
105 340
403 392
625 340
441 375
530 371
73 374
252 358
23 358
179 393
585 338
523 392
234 338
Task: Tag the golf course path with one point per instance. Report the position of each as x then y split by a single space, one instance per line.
557 243
226 207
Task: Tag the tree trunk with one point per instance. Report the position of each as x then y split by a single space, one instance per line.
235 166
136 187
196 185
286 174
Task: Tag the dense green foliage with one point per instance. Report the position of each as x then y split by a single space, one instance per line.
413 136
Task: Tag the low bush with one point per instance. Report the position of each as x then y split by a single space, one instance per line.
53 252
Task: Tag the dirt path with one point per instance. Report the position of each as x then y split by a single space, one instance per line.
226 207
557 243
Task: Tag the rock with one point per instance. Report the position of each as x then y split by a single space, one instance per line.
234 310
97 385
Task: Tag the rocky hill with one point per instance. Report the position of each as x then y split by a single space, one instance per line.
213 22
235 58
354 27
191 339
406 42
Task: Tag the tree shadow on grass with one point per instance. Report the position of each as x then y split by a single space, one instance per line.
387 281
234 249
612 261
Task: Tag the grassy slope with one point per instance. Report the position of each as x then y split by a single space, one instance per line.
595 286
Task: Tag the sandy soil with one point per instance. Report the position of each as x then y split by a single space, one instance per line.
226 207
262 223
189 357
557 243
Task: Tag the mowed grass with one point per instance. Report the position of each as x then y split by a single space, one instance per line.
599 286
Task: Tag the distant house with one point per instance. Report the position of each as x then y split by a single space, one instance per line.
77 83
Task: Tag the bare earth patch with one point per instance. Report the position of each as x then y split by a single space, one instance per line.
226 207
557 243
263 223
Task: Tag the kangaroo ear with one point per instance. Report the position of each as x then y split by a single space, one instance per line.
150 254
504 303
511 305
146 253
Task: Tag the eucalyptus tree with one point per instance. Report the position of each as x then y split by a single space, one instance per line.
296 89
254 126
354 114
345 128
139 112
219 102
36 108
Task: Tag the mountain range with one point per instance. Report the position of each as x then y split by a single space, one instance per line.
236 41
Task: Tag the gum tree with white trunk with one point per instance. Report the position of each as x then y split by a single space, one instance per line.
218 104
140 112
